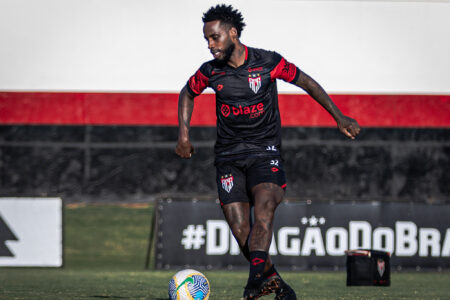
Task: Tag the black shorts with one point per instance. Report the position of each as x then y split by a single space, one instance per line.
236 178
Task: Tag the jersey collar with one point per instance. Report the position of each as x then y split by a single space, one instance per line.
241 66
245 60
246 54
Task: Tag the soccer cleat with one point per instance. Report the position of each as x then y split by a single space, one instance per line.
251 294
255 290
275 284
284 292
251 291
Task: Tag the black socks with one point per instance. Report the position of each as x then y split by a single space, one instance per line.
257 263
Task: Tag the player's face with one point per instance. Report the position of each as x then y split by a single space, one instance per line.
220 40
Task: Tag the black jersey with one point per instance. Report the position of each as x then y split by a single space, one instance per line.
248 119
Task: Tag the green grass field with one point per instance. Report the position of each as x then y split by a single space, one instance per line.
105 248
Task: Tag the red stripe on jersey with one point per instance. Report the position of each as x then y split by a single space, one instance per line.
198 82
246 52
284 70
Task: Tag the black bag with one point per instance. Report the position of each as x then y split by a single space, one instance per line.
368 267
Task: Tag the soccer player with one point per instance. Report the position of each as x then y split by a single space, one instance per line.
248 162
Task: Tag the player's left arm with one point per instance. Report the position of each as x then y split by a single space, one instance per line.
346 125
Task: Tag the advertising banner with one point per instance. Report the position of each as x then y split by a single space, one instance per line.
307 236
31 232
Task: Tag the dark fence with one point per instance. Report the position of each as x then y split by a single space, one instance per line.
138 163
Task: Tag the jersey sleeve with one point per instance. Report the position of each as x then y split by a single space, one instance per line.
284 70
198 82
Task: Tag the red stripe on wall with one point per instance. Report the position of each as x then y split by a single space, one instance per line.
161 109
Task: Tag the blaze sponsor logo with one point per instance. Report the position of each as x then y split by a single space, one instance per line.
254 81
253 111
225 109
219 87
227 182
274 169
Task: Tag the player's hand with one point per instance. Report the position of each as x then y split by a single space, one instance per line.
184 149
348 126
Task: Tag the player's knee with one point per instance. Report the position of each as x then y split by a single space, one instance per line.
241 234
270 205
268 200
265 207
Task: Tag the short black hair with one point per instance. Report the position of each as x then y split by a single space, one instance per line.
226 14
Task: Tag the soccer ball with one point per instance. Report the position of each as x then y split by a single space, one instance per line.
189 285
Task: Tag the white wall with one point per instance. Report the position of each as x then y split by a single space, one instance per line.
146 45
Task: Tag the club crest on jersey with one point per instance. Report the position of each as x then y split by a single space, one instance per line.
227 182
254 81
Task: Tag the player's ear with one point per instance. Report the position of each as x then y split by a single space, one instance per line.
233 33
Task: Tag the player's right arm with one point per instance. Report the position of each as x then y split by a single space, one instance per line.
194 87
185 108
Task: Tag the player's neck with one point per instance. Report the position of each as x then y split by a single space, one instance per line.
237 58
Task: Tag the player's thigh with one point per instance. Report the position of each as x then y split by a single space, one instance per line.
266 197
266 176
231 183
267 181
234 199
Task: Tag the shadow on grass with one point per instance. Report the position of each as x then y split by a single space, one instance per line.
121 297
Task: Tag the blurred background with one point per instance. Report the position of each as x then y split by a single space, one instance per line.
88 95
88 114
